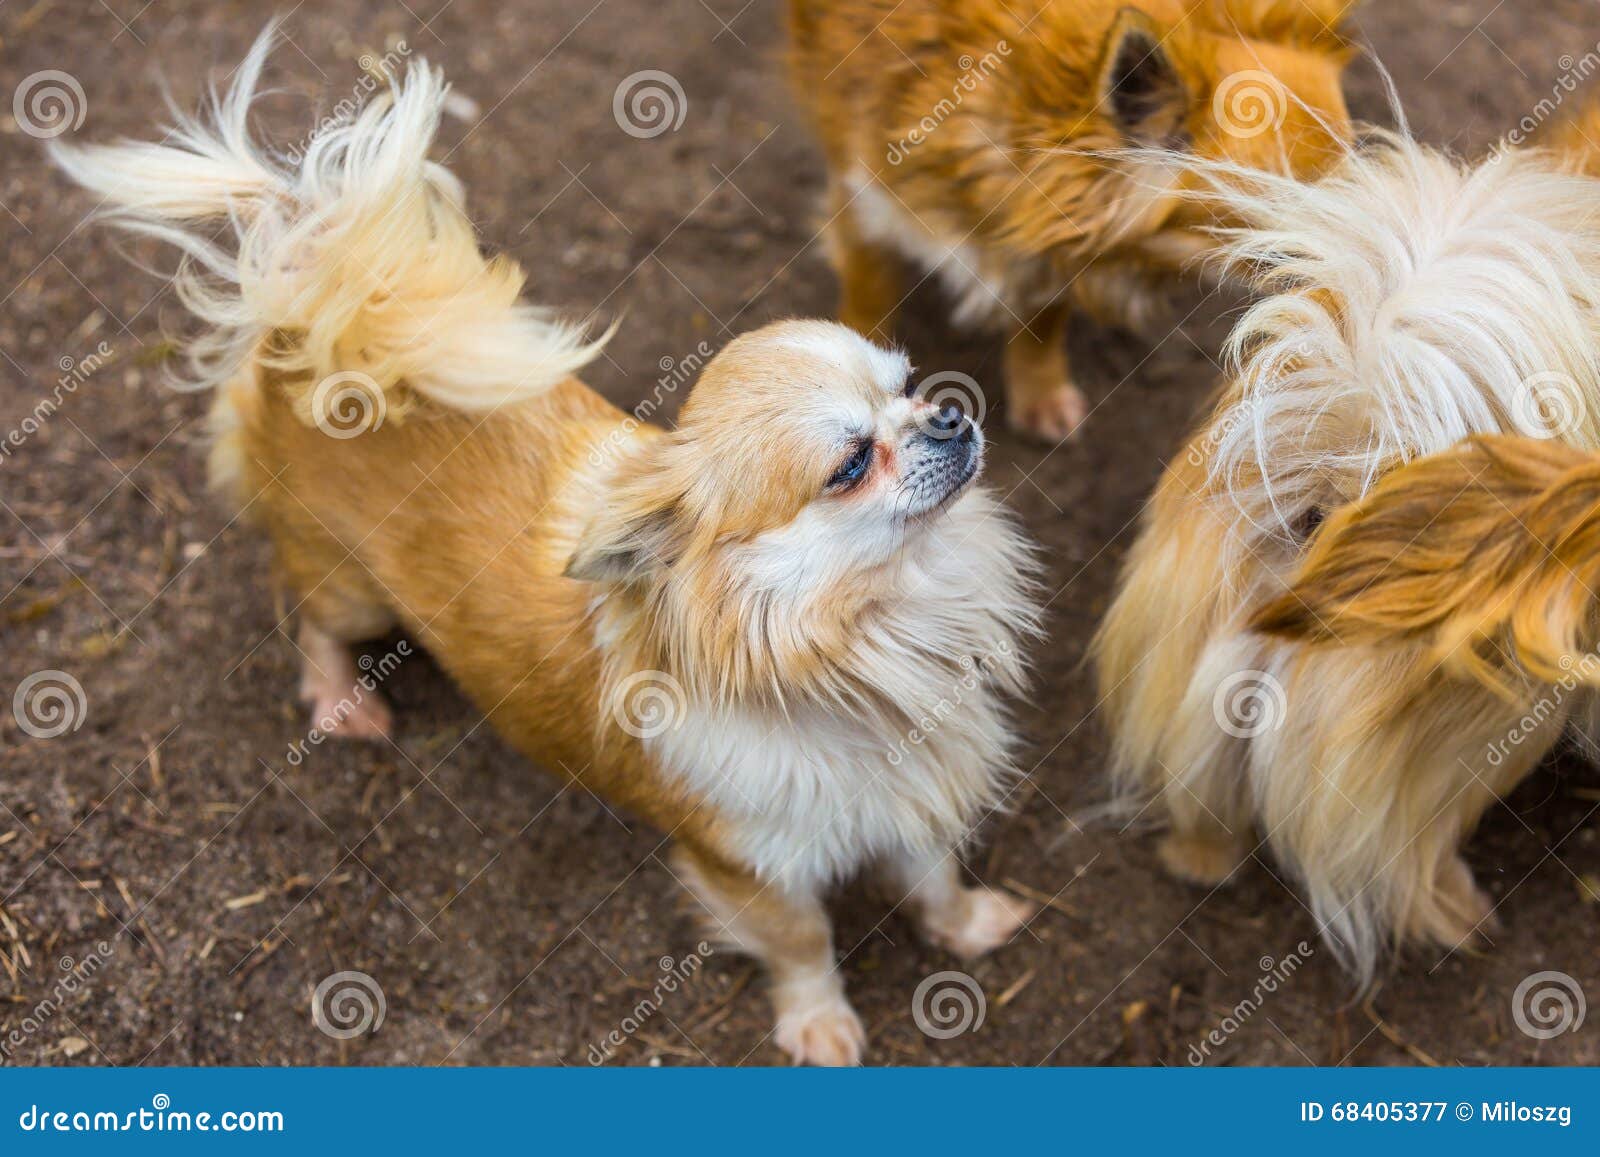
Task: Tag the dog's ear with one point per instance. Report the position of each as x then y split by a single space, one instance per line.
1139 84
641 528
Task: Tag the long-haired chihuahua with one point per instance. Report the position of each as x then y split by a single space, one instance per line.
1411 300
726 628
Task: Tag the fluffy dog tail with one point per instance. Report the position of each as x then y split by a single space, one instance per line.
1488 555
358 260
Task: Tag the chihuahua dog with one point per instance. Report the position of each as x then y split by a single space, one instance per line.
727 628
1030 152
1411 301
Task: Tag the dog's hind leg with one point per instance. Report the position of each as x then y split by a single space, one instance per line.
1201 760
1041 400
870 282
792 935
1371 810
341 605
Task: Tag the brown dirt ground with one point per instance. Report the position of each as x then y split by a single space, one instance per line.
509 922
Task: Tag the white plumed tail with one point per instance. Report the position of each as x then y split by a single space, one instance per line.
359 259
1409 300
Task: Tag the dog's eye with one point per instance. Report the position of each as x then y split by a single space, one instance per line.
853 469
1307 524
909 390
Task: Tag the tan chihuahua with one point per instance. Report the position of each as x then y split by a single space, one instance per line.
1000 145
729 629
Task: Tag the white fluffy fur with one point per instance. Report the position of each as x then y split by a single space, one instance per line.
1411 300
902 749
363 252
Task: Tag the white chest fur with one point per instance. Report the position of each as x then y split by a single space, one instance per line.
816 797
816 792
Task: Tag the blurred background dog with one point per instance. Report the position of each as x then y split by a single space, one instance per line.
993 146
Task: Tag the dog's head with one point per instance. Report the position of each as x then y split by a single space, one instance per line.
804 456
1100 115
808 495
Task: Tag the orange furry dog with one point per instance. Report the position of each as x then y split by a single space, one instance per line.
1410 301
730 628
998 145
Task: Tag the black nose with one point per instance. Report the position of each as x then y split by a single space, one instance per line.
948 420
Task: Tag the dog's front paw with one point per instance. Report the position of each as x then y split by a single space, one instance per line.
987 920
1047 416
350 715
827 1033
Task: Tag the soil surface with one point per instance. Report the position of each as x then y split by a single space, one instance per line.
175 887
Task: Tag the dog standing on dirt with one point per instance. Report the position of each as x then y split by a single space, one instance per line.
1002 146
1411 300
729 628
